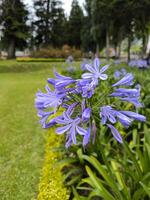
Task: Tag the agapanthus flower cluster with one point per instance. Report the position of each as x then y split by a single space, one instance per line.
141 64
72 100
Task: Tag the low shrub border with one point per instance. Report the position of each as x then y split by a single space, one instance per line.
28 59
51 184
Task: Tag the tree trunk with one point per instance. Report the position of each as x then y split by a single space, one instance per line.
144 45
129 47
107 45
119 49
97 49
11 49
116 52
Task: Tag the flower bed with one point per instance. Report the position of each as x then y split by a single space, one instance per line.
51 185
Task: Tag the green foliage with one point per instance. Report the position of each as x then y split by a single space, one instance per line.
51 185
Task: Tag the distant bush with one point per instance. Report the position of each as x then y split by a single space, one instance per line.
64 52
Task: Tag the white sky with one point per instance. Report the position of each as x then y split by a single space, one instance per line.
66 4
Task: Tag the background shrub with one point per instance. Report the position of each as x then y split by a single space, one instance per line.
51 52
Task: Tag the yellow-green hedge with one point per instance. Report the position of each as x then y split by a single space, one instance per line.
28 59
51 186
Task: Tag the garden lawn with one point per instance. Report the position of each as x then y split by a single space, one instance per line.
21 137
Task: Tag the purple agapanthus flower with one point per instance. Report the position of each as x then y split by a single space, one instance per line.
74 97
141 64
95 72
109 115
132 63
127 80
60 81
71 126
130 95
86 88
51 99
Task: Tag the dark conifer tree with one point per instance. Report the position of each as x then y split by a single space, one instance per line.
13 18
50 22
75 24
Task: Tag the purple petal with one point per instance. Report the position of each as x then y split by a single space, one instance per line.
51 81
86 137
96 64
63 129
135 101
50 124
83 105
90 68
125 121
71 108
112 118
134 115
80 130
69 142
73 134
103 69
86 114
59 76
127 80
115 133
103 76
87 75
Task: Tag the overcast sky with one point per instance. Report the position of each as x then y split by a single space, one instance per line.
66 4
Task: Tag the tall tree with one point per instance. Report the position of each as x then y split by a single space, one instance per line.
142 21
75 24
101 12
50 22
88 43
13 18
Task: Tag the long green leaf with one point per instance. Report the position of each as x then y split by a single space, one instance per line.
97 184
146 188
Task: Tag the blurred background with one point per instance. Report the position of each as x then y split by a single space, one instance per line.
54 28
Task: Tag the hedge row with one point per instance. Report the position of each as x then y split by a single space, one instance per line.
28 59
51 185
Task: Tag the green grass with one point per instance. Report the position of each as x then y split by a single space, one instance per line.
21 137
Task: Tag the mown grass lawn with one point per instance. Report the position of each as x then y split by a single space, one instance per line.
21 137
